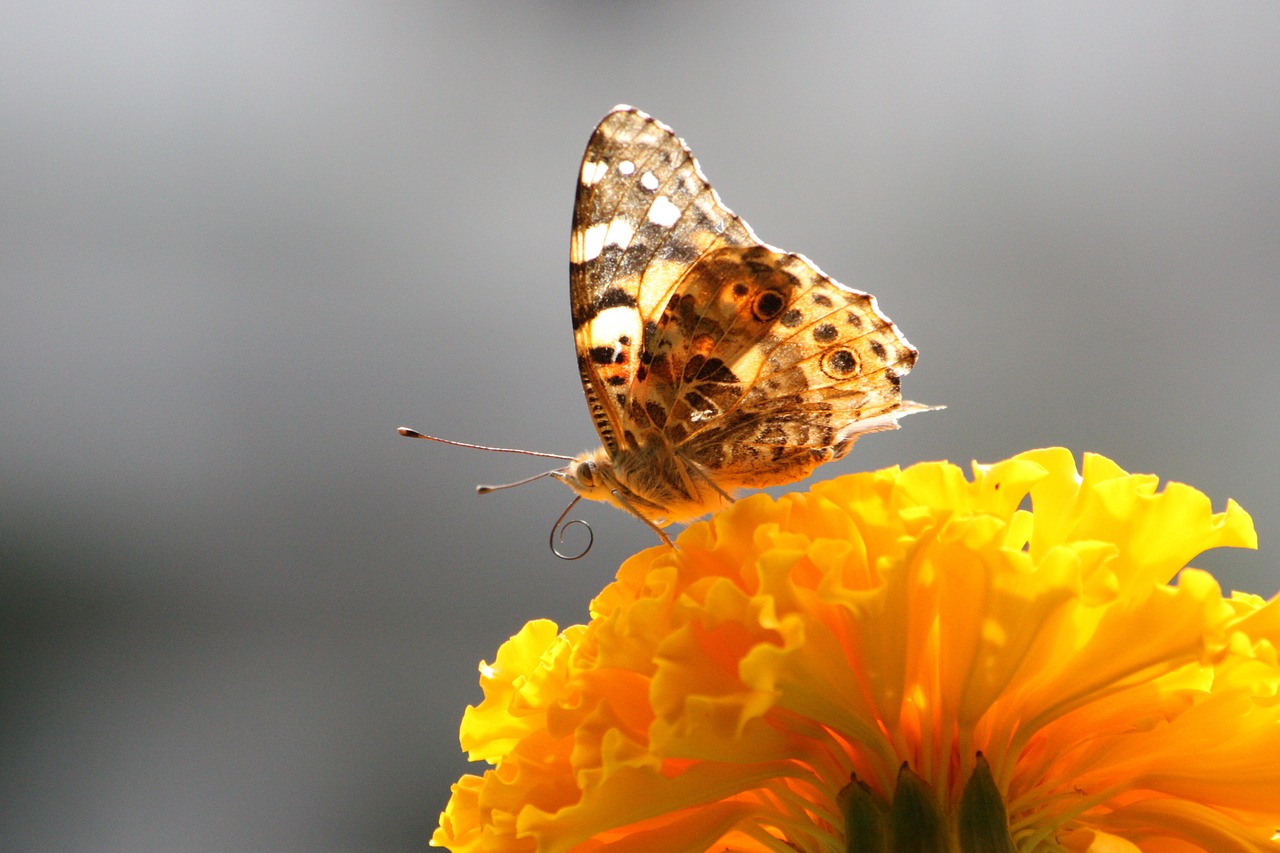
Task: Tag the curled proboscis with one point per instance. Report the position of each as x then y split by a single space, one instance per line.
558 530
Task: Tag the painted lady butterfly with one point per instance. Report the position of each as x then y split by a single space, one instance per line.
710 360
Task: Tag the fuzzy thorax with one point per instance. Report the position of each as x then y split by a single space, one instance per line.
658 487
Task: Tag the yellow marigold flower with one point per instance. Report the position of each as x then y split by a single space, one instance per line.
898 660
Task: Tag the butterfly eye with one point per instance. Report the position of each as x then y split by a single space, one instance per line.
585 473
767 304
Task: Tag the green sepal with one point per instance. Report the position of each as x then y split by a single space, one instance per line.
865 816
983 823
915 823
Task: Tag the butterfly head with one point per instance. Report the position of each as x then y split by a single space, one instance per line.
594 476
590 474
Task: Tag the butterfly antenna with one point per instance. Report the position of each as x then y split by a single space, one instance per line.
484 490
561 525
413 433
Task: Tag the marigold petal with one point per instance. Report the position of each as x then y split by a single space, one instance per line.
1160 824
515 691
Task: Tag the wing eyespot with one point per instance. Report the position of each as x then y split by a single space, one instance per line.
839 363
767 304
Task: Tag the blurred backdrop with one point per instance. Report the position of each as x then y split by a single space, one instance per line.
240 243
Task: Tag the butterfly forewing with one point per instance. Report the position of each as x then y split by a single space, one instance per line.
644 214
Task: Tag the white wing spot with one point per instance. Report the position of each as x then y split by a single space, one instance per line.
626 167
592 242
649 181
593 171
620 233
663 213
612 324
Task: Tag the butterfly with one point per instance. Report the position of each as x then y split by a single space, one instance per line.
711 361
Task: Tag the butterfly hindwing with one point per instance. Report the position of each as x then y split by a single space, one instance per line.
644 214
761 367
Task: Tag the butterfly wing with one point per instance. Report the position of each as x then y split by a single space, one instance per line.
644 214
761 368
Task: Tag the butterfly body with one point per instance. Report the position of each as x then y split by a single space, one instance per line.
653 482
710 361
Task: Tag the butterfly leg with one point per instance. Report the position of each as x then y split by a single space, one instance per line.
655 528
698 469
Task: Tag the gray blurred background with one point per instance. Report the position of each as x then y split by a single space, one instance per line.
241 242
